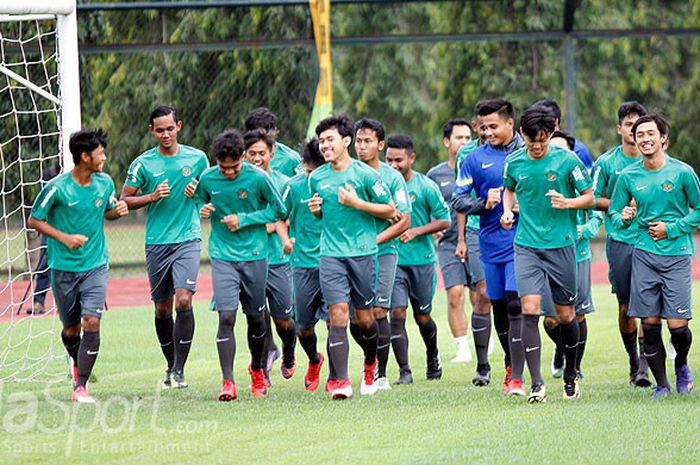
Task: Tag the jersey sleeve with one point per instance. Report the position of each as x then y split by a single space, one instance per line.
288 198
400 190
274 211
202 166
578 174
691 221
136 176
111 199
201 194
44 202
621 199
465 179
438 208
600 178
377 190
509 180
590 228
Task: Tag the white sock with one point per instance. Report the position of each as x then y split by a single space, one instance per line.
462 343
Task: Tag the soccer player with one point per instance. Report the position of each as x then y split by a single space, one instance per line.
415 275
259 150
167 176
663 194
550 183
304 242
347 195
620 241
286 160
70 211
580 148
482 172
456 273
369 142
239 200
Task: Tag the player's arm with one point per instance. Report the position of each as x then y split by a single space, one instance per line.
464 200
691 221
72 241
274 211
600 180
395 230
621 212
590 228
461 249
115 208
381 205
403 209
581 181
440 213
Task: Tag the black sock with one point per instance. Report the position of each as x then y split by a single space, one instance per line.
399 343
428 332
309 344
257 329
164 331
383 343
517 349
87 354
289 342
369 337
681 338
331 370
532 344
582 338
71 344
501 323
481 330
269 340
630 342
356 333
643 364
338 349
554 334
569 341
183 334
226 343
655 353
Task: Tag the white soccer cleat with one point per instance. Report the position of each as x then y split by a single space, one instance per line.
383 384
369 385
463 356
81 396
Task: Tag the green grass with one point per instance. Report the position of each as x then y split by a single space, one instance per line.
449 421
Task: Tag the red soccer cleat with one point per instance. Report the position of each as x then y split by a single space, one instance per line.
340 389
506 380
258 386
228 391
311 380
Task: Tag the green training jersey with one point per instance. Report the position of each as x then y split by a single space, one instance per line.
304 227
175 218
397 188
539 225
254 198
588 224
286 160
275 249
472 220
427 203
666 195
346 231
605 173
75 209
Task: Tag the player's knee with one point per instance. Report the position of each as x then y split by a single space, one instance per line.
565 314
72 331
380 312
183 300
90 324
338 315
580 318
308 332
421 318
513 306
551 322
163 310
227 319
283 324
652 338
364 318
530 307
398 313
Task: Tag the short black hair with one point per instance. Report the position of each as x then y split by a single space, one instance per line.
570 140
312 155
447 128
260 118
551 104
400 141
661 124
228 144
256 135
373 124
342 123
537 119
495 105
85 141
163 110
630 108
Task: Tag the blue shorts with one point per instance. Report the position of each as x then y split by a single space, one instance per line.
415 284
278 291
500 277
79 293
239 282
386 272
349 280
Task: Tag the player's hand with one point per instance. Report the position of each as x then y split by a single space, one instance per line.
461 250
657 230
161 192
628 213
407 236
191 187
231 222
559 202
315 203
507 220
516 208
493 197
347 195
288 245
121 208
206 211
74 241
397 217
438 235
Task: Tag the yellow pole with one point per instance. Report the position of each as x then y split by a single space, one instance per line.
323 103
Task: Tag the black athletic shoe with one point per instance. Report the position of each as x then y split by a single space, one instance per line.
482 376
434 369
167 382
642 379
571 389
579 374
405 377
178 378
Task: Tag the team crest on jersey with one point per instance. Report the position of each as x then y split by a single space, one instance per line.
667 186
412 197
243 194
98 202
186 171
552 176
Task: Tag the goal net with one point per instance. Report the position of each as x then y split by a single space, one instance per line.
39 108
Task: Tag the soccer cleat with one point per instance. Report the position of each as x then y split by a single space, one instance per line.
506 380
258 386
288 371
463 356
538 394
405 377
369 373
684 379
661 392
311 379
73 368
330 383
81 396
178 378
167 381
558 363
482 376
36 309
383 384
228 391
571 389
341 389
579 374
515 388
272 355
434 368
641 379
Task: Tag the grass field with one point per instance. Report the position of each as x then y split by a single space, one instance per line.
448 421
